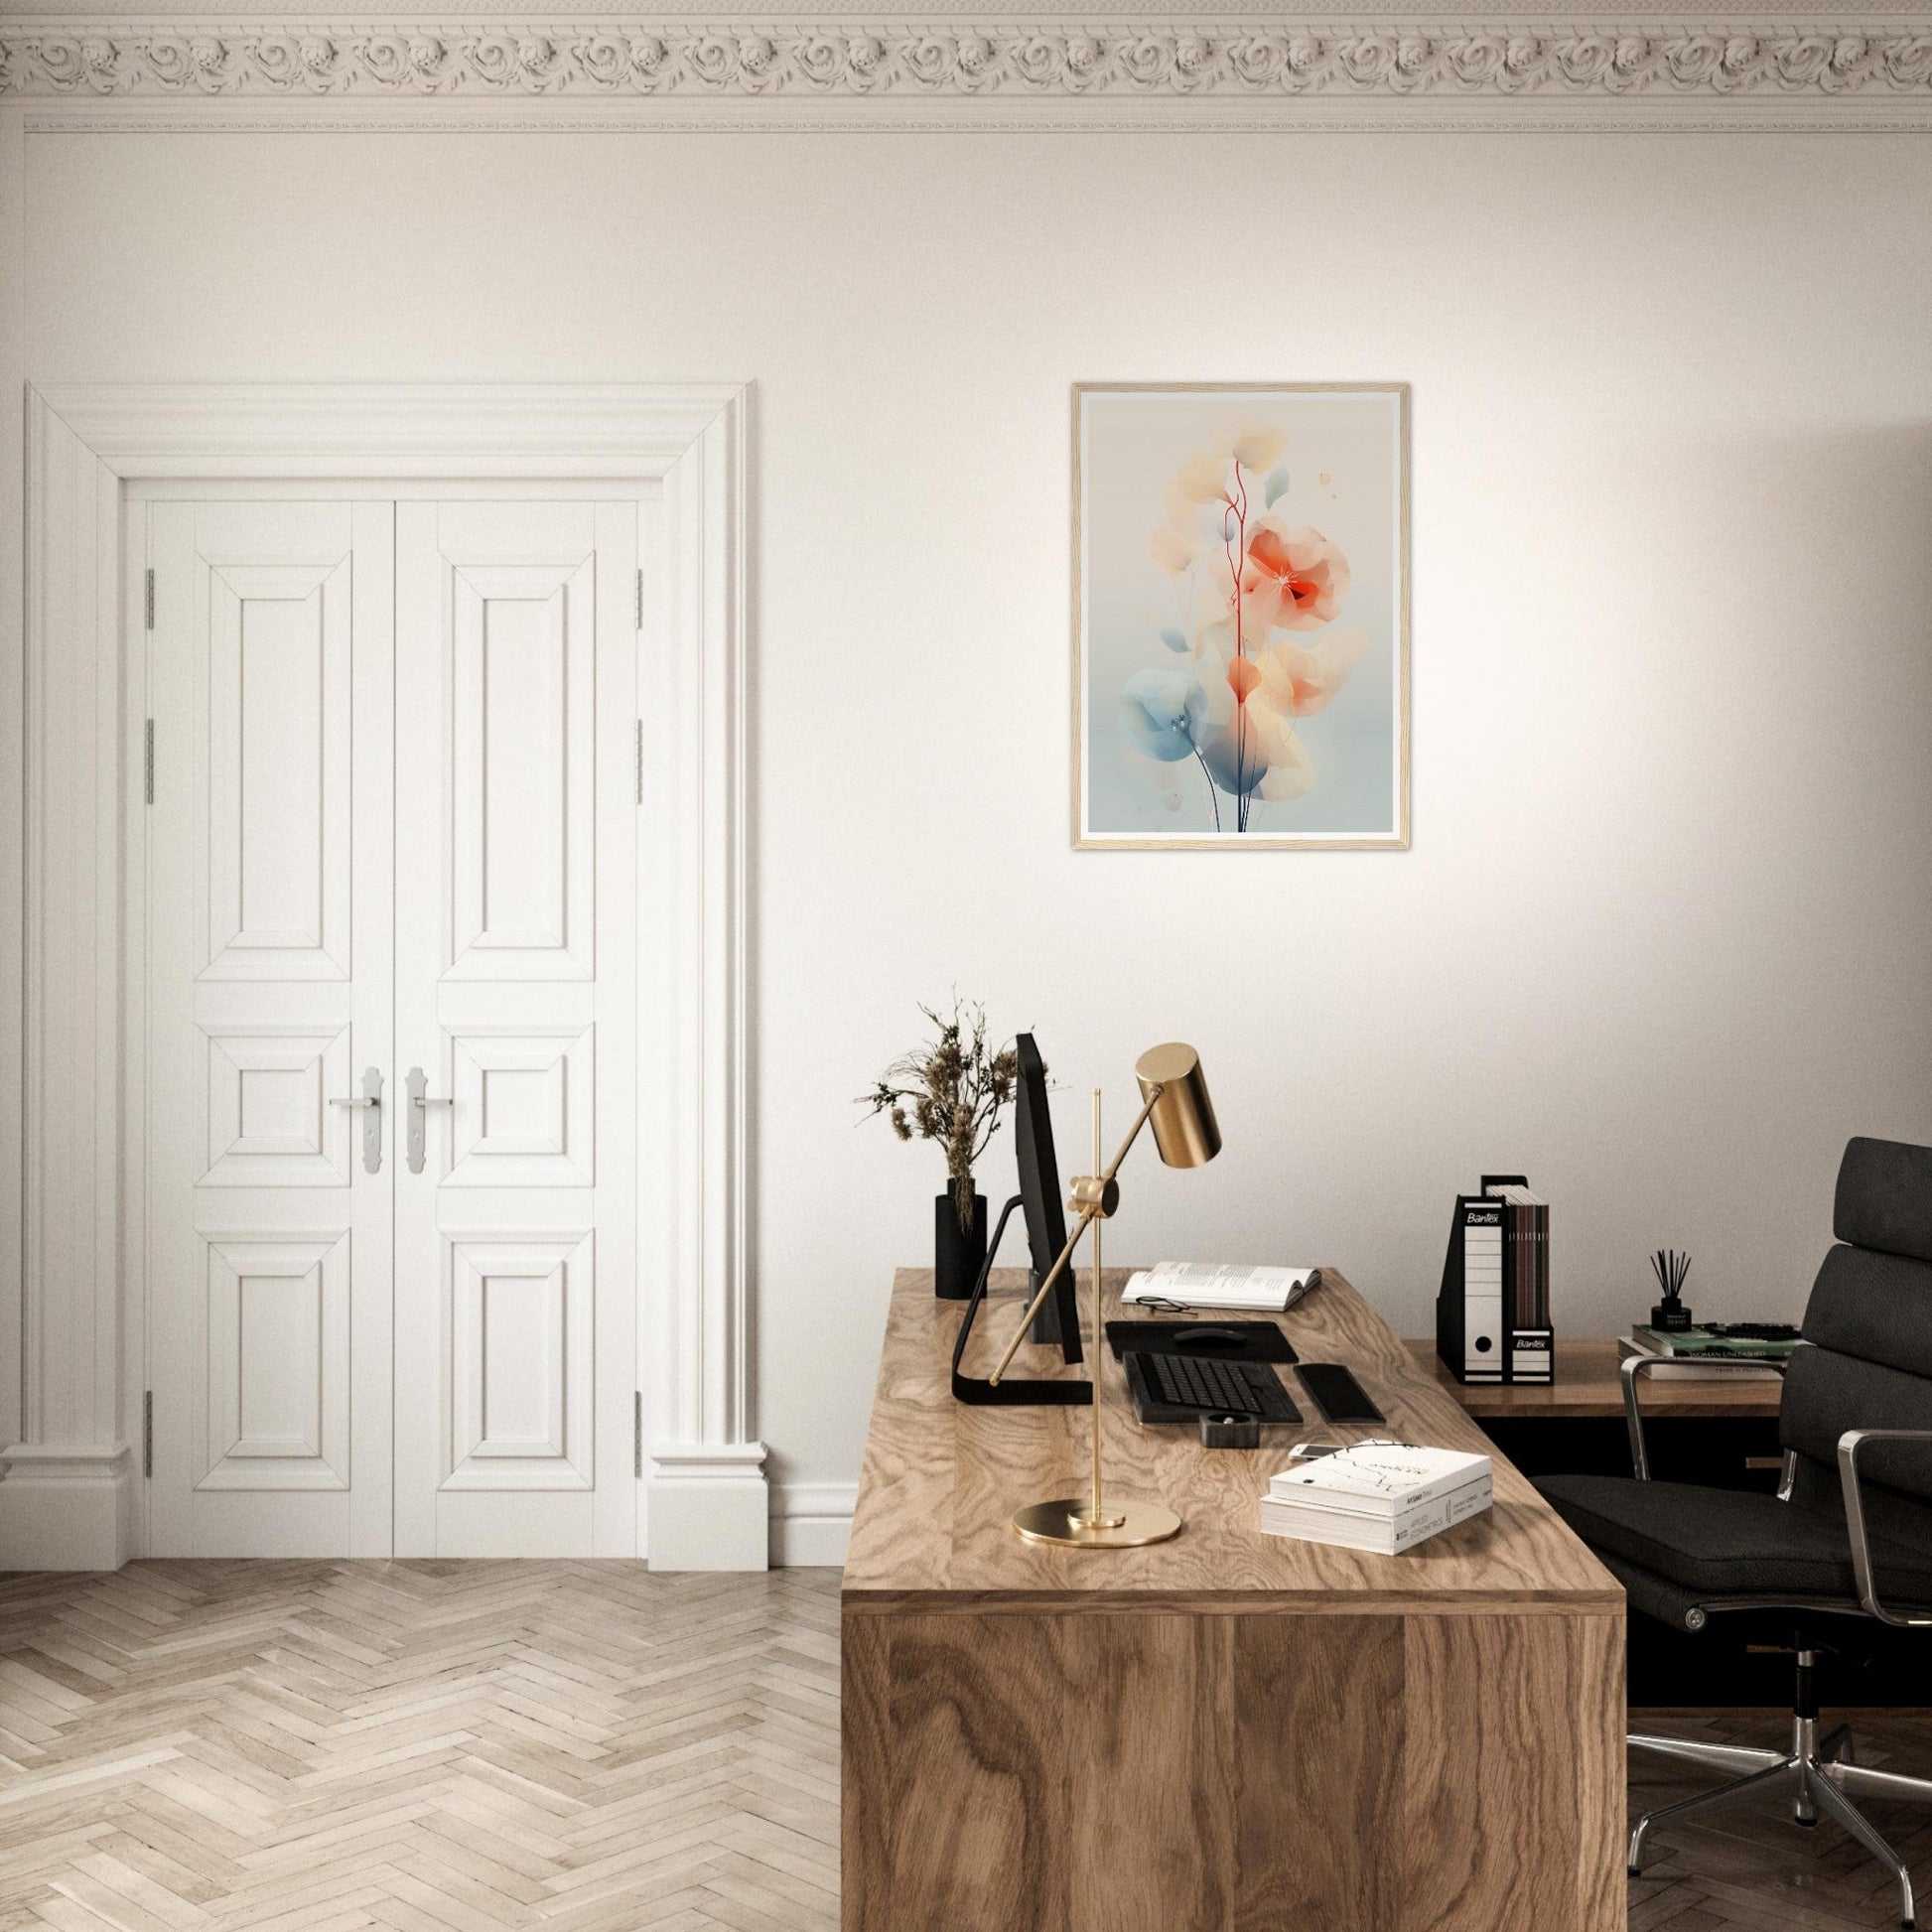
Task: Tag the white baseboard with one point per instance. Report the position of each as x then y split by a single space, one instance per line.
811 1523
66 1507
709 1507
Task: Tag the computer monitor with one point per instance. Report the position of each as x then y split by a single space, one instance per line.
1039 1198
1059 1319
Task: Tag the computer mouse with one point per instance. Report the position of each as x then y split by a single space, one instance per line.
1208 1337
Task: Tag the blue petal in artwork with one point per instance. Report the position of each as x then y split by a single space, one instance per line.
1162 711
1276 487
1235 775
1174 640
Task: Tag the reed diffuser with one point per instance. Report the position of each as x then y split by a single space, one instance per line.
1670 1315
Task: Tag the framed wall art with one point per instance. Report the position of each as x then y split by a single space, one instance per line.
1241 615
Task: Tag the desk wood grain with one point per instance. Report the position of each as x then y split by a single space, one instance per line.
940 1481
1228 1732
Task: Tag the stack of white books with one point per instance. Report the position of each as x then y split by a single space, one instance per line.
1381 1496
1213 1285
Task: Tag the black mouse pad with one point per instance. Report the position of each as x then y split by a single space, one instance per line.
1211 1340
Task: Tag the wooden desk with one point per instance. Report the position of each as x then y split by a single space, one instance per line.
1227 1732
1587 1386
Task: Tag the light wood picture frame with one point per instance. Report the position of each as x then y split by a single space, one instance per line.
1241 615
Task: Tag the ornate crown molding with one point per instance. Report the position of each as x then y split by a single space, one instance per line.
1192 61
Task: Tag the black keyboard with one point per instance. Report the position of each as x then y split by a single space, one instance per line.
1185 1387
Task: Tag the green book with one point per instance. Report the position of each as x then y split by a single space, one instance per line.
1700 1342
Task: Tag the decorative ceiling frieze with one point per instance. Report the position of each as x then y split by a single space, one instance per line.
1242 60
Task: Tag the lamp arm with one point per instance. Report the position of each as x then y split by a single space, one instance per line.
1133 1133
1088 1216
1087 1219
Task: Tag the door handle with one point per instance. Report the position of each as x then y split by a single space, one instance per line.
371 1099
420 1102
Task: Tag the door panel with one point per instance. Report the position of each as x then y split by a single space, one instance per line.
270 990
278 781
522 1330
515 983
278 1358
521 763
525 1108
269 1121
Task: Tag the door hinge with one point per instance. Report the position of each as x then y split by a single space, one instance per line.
148 757
147 1434
638 1434
149 599
641 598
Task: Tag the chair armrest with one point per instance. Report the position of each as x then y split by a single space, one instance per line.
1849 1446
1634 1367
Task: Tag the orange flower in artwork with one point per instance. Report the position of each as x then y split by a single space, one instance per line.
1290 771
1301 678
1243 676
1292 579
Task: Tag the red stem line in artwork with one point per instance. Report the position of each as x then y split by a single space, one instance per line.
1239 504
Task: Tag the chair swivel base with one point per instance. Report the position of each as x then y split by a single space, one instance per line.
1818 1774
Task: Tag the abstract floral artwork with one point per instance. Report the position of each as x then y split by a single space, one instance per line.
1240 626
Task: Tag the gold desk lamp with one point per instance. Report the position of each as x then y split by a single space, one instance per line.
1174 1101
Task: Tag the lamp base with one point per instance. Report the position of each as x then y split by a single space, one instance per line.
1129 1525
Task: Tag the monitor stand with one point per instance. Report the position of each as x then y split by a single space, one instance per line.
1046 1327
1012 1391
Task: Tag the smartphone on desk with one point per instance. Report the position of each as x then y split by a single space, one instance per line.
1337 1393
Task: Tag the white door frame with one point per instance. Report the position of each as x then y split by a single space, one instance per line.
77 1314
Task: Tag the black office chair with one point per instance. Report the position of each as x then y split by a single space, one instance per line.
1847 1540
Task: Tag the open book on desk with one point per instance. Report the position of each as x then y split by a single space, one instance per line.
1211 1285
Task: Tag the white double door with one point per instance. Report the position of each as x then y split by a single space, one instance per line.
391 860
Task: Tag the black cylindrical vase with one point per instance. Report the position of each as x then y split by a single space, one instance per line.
958 1256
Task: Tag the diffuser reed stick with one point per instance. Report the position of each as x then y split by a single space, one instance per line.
1671 1266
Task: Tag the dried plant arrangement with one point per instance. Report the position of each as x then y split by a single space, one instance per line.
952 1090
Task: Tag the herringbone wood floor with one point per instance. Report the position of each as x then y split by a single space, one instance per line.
424 1747
458 1747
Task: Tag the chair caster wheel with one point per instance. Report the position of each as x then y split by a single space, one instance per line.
1809 1823
1633 1872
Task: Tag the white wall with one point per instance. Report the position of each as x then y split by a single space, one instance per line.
1663 938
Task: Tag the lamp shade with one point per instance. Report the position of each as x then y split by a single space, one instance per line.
1182 1117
